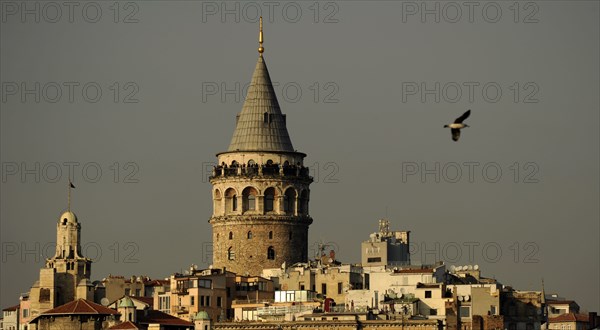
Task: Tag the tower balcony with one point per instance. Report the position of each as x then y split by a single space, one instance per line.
266 171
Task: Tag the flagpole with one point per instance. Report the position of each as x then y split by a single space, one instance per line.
69 198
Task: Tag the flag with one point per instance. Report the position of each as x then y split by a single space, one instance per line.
71 184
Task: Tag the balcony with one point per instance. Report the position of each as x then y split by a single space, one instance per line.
274 170
180 290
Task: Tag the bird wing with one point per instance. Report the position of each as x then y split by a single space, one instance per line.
463 117
455 134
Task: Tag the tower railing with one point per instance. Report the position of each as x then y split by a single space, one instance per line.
273 170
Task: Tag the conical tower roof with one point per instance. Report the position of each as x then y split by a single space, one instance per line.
260 125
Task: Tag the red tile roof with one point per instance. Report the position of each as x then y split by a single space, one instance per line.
154 316
81 306
12 308
416 271
156 282
569 317
146 300
124 325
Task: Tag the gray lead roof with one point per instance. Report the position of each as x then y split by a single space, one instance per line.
261 125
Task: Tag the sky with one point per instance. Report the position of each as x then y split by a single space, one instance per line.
133 99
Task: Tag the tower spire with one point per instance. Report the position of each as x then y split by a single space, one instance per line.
261 49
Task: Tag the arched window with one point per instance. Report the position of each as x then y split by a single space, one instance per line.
249 199
269 199
230 200
249 235
271 253
230 235
217 236
234 163
290 235
251 162
271 235
289 201
230 253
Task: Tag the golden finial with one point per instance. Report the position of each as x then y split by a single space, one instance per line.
261 49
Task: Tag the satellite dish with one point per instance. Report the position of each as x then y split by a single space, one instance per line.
459 268
452 268
470 267
476 267
468 298
104 302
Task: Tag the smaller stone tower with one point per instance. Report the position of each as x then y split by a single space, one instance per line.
66 276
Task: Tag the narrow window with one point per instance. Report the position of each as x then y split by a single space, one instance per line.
230 235
249 235
270 235
271 253
234 203
230 254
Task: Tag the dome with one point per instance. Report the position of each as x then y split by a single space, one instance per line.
126 302
68 217
201 315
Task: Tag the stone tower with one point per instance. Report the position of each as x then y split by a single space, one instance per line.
260 187
66 276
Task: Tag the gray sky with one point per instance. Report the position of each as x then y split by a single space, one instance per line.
368 132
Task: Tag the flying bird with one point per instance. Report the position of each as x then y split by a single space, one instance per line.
458 124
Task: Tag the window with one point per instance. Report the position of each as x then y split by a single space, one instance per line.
289 201
201 300
218 301
433 311
493 309
271 253
127 292
302 287
230 235
340 287
137 292
324 288
290 235
270 235
251 202
234 203
269 199
378 259
249 199
465 311
231 254
192 300
26 313
249 235
428 294
204 284
208 301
